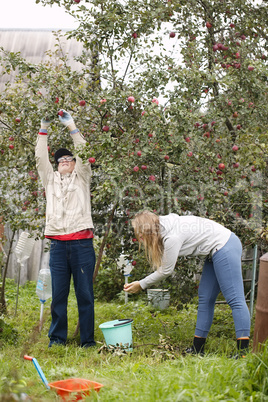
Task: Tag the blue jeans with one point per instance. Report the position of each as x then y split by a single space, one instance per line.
76 258
223 273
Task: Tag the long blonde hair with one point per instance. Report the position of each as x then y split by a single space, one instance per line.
146 226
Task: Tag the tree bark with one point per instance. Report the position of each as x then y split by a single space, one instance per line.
2 296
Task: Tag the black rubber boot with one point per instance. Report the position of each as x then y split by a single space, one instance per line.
198 347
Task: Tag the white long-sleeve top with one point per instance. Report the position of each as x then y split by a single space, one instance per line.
186 236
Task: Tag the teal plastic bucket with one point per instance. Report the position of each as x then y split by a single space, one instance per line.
118 333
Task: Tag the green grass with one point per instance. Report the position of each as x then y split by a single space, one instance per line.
154 371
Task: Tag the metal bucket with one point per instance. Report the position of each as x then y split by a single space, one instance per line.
159 298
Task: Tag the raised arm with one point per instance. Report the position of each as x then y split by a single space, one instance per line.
79 141
43 164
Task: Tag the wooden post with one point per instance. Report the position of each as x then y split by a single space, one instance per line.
261 319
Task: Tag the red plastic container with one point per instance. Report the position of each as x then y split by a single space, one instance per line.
74 389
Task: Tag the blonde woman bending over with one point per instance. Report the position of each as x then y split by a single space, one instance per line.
165 238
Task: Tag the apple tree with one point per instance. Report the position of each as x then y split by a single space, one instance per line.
172 99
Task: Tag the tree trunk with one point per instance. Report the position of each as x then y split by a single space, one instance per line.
2 296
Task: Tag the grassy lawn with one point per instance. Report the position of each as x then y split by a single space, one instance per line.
156 370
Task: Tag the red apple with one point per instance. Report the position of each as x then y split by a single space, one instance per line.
235 114
131 99
166 157
82 103
60 113
215 47
253 168
150 135
11 138
156 101
56 100
208 25
17 120
136 168
172 35
235 148
152 178
143 167
106 128
134 263
250 68
143 113
92 160
134 239
237 55
236 165
103 101
225 193
190 154
221 166
206 134
232 25
139 153
188 139
135 35
11 146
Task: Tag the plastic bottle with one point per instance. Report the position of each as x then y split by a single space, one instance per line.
43 286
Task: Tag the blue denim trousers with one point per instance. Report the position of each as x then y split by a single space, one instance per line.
74 258
223 273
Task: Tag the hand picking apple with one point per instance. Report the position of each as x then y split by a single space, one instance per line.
133 287
167 237
45 122
66 119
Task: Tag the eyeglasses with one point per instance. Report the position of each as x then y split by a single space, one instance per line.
65 158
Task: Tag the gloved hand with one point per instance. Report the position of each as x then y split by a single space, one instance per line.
45 123
66 119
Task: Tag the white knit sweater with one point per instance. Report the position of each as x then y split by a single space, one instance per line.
186 236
